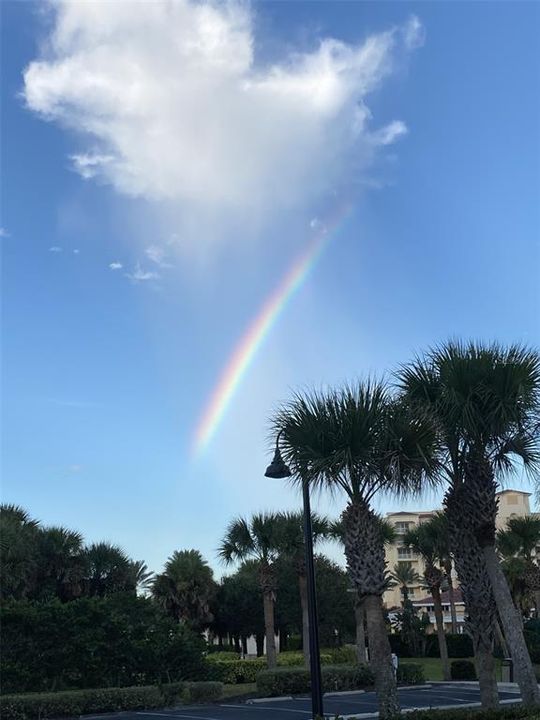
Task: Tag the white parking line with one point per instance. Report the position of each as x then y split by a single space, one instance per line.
178 715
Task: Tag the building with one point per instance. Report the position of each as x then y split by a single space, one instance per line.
512 503
425 605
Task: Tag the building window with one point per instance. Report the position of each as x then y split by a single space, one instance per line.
404 553
402 527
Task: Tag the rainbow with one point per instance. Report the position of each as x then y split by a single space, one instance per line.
250 342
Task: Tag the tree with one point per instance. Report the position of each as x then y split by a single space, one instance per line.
142 577
61 565
484 400
185 588
517 544
107 569
427 541
405 575
389 536
18 552
257 539
359 441
292 546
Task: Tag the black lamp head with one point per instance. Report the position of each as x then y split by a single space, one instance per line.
277 468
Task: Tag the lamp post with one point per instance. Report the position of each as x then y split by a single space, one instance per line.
278 470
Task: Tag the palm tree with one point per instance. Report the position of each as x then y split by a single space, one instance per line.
186 588
358 441
426 540
142 577
485 401
107 569
404 575
18 552
61 565
292 547
389 535
257 539
517 544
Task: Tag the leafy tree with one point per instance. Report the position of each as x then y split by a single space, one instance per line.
257 539
484 400
292 546
359 441
185 588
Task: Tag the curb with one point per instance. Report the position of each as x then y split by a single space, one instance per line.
334 694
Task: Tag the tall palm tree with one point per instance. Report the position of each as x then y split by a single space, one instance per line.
485 401
61 565
389 536
404 575
292 546
356 440
259 539
425 540
186 587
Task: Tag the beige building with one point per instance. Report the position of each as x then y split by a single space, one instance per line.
511 503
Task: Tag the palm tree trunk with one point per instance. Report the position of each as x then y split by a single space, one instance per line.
359 614
268 602
441 636
513 630
487 681
381 659
451 598
302 585
537 602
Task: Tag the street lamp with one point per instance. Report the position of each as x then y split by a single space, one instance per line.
278 470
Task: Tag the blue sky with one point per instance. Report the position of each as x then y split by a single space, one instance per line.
424 115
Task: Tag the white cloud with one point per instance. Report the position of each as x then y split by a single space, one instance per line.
115 266
76 251
55 249
4 233
157 255
140 275
175 105
414 34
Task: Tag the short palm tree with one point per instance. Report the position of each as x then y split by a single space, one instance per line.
405 576
517 544
358 441
426 540
185 588
106 570
259 539
292 546
61 562
19 557
485 402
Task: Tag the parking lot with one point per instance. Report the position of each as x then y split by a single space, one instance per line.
359 704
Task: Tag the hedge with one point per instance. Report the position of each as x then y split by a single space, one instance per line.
70 703
293 681
223 656
515 712
462 670
459 646
296 659
233 672
410 674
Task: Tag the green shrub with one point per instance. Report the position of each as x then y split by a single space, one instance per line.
293 681
222 656
531 630
296 659
172 693
459 646
78 702
202 692
294 642
398 647
344 655
462 670
225 648
233 672
410 674
515 712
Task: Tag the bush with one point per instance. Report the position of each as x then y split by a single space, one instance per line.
225 648
531 630
462 670
345 655
195 692
233 672
293 681
78 702
459 646
222 656
294 642
398 647
410 674
515 712
39 706
296 659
